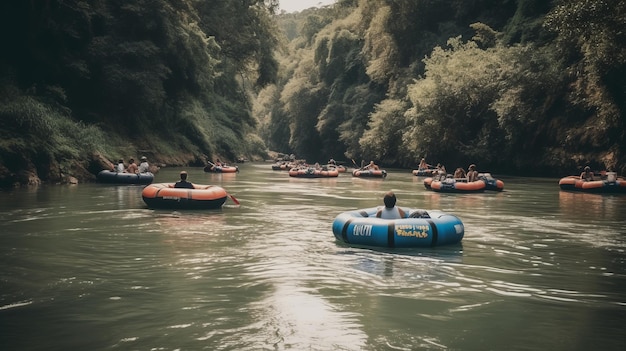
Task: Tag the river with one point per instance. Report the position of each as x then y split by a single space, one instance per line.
90 267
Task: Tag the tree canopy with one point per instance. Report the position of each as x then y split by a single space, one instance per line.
170 78
510 85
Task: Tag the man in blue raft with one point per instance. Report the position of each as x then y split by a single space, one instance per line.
390 211
397 227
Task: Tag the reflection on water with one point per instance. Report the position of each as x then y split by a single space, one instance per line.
297 318
91 267
451 202
185 223
577 205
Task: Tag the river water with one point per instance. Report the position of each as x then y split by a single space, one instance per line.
90 267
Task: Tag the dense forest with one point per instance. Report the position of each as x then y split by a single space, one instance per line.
528 87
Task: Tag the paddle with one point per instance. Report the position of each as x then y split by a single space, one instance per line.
233 198
210 167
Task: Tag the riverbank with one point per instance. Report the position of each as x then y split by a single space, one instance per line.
76 171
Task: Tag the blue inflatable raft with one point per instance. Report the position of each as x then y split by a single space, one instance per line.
421 228
124 178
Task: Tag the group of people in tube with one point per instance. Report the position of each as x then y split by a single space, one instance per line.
439 172
291 162
132 166
587 175
301 164
144 167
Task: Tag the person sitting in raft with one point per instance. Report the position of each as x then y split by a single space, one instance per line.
132 167
472 173
390 211
119 167
372 166
587 174
440 172
332 162
183 183
423 165
215 165
459 173
144 166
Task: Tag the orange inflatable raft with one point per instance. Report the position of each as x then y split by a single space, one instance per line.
221 169
612 184
369 173
313 173
164 195
283 166
340 168
451 185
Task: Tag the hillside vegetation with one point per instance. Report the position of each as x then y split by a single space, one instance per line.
524 87
84 81
516 86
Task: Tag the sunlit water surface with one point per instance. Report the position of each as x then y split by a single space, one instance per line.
90 267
